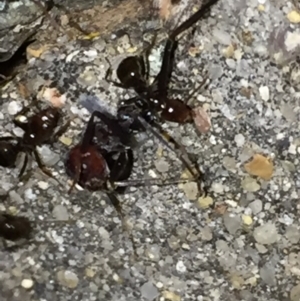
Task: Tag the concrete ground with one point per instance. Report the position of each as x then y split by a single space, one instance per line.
241 242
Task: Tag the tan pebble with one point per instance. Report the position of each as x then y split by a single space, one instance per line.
13 210
131 49
228 51
247 220
65 140
190 190
27 283
205 202
293 16
90 272
38 51
261 7
260 166
237 281
171 296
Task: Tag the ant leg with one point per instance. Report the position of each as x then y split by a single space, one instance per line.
116 203
152 182
178 149
24 165
196 90
7 138
145 56
43 167
62 130
193 19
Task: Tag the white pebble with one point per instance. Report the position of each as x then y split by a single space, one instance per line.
212 139
13 108
264 93
292 149
239 140
180 267
27 283
91 53
43 185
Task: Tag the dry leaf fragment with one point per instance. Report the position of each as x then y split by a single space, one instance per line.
260 166
54 97
23 90
201 120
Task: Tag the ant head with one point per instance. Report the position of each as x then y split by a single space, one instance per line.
9 150
87 167
14 227
131 72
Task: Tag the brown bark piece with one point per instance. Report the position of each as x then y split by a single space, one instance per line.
105 20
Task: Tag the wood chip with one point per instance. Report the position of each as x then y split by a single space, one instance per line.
260 166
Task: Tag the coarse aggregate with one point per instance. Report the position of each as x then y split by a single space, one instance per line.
241 242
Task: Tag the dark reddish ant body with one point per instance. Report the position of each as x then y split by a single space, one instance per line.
14 228
103 156
153 102
152 106
103 160
38 129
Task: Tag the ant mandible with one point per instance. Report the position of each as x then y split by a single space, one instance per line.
39 129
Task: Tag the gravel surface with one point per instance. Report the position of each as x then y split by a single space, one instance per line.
241 242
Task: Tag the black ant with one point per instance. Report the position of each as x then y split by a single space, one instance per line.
103 160
152 105
14 228
38 129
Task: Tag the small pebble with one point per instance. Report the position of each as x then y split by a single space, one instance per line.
266 234
60 213
239 140
256 206
68 279
247 220
190 189
250 184
162 165
232 222
14 107
27 283
205 202
149 291
264 93
293 16
171 296
180 267
43 185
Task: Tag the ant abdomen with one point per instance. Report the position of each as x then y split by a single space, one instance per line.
87 167
177 111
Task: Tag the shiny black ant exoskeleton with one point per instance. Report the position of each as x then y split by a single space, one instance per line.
39 129
152 106
14 228
103 160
